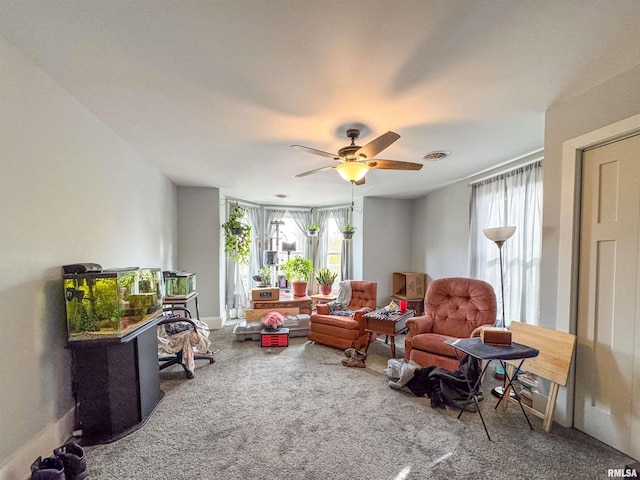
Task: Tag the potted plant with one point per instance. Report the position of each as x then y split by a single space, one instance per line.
348 231
325 278
312 229
297 271
237 241
265 276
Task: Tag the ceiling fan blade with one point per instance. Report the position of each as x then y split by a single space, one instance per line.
376 145
393 165
361 181
315 151
304 174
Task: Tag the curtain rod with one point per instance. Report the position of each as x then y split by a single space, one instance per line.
519 162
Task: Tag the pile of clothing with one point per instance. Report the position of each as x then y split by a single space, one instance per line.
442 386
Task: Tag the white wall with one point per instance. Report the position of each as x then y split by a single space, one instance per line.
199 246
386 242
71 191
440 235
612 101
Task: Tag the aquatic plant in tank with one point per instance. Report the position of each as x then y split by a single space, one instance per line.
111 303
179 284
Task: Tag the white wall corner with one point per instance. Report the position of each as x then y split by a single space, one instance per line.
215 323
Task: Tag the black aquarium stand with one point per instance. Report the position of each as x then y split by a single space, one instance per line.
117 383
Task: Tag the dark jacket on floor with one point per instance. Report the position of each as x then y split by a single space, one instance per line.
445 387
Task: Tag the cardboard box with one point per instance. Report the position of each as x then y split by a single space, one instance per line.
495 336
409 285
265 294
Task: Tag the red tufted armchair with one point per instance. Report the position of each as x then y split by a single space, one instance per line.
454 308
345 332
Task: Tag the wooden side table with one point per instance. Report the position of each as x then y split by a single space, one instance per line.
182 300
319 298
386 323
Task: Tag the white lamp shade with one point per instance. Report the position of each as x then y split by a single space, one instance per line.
352 171
499 234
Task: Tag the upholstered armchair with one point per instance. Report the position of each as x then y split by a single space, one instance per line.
345 332
454 308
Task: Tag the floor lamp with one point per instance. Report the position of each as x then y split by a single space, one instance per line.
499 235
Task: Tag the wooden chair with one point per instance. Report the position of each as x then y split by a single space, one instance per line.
553 363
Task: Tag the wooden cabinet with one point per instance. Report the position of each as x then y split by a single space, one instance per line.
286 301
117 384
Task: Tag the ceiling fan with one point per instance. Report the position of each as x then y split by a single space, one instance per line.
355 161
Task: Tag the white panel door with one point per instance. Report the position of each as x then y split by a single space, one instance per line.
608 352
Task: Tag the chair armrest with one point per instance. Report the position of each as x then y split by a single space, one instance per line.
179 319
418 325
476 332
322 309
358 316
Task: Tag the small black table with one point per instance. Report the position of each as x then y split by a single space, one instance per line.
482 351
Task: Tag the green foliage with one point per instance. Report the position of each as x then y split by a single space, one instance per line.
348 229
237 242
324 276
297 269
265 275
313 226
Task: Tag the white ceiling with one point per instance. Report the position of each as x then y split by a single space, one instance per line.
214 92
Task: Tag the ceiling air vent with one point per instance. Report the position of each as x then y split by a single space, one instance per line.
437 155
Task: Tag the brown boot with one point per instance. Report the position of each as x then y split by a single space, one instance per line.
353 362
353 353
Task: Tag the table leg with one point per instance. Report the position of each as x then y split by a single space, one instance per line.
197 309
366 349
473 390
506 392
393 346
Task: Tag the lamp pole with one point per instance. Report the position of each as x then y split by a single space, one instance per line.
499 243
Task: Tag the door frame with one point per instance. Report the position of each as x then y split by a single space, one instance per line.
569 227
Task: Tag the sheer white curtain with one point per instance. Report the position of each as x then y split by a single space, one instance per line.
303 218
514 198
254 216
322 219
343 217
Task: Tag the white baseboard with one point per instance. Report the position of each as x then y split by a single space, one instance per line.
215 323
50 437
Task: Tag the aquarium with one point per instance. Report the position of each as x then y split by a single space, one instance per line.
179 284
111 303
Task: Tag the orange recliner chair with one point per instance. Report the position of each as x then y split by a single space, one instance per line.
345 332
454 308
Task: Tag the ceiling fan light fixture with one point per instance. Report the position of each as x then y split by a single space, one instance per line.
352 171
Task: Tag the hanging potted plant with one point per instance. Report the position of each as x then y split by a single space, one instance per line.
325 278
237 241
312 229
347 232
297 271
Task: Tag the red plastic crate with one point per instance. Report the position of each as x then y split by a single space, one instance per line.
278 338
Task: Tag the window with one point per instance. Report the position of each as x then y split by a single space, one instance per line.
514 198
334 248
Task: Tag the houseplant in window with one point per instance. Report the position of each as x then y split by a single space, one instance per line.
297 271
312 229
325 278
348 231
237 235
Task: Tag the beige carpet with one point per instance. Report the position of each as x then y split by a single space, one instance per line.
297 413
